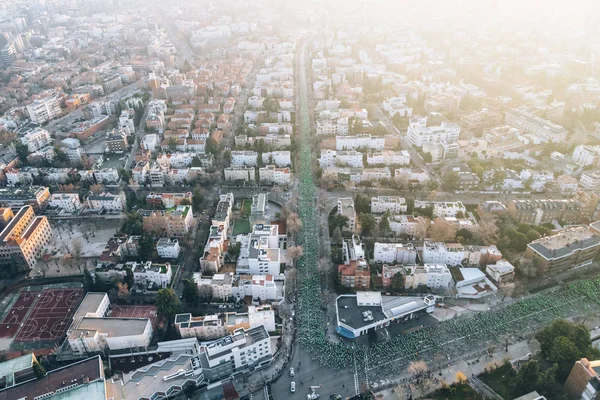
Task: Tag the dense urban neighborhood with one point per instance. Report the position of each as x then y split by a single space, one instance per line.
285 200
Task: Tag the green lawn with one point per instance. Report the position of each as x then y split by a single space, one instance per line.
246 208
456 392
500 380
242 226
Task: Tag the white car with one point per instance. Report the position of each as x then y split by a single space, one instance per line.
293 387
292 371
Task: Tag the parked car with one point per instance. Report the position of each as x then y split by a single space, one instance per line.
293 387
292 371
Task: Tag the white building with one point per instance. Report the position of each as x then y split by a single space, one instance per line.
345 206
274 175
36 139
106 201
261 252
355 142
422 130
219 285
471 283
586 155
246 174
151 142
433 276
388 158
455 254
149 275
334 158
279 158
397 105
92 331
531 123
168 248
261 287
394 253
106 176
68 202
502 271
45 109
391 204
244 158
442 209
338 126
244 350
408 225
590 179
411 176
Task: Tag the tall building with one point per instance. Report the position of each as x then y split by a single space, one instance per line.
45 109
345 207
23 239
569 249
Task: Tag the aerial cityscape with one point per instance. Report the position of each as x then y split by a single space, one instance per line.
299 200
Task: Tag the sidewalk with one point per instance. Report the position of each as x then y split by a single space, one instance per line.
468 367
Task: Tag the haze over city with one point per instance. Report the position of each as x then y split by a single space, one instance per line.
282 200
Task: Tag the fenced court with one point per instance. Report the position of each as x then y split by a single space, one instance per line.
15 317
135 311
51 315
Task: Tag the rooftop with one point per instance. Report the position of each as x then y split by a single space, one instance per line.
113 327
565 243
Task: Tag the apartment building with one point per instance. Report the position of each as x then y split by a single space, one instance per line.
223 211
35 139
45 109
442 209
261 251
177 222
501 272
35 196
337 126
219 286
333 158
68 202
583 381
161 201
245 350
107 176
455 254
23 238
106 201
279 158
210 327
392 204
541 211
245 174
275 175
168 248
531 123
569 249
359 141
586 155
150 276
244 158
411 176
394 253
388 158
431 129
590 179
408 225
354 272
478 121
345 207
116 142
256 287
433 276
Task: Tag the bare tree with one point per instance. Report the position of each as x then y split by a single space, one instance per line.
97 188
325 266
488 231
293 223
277 192
418 370
441 231
77 250
295 252
290 282
122 289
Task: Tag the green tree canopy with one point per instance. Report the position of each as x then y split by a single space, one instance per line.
190 292
397 283
368 223
167 303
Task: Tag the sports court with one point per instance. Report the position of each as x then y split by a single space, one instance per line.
121 311
15 317
51 315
